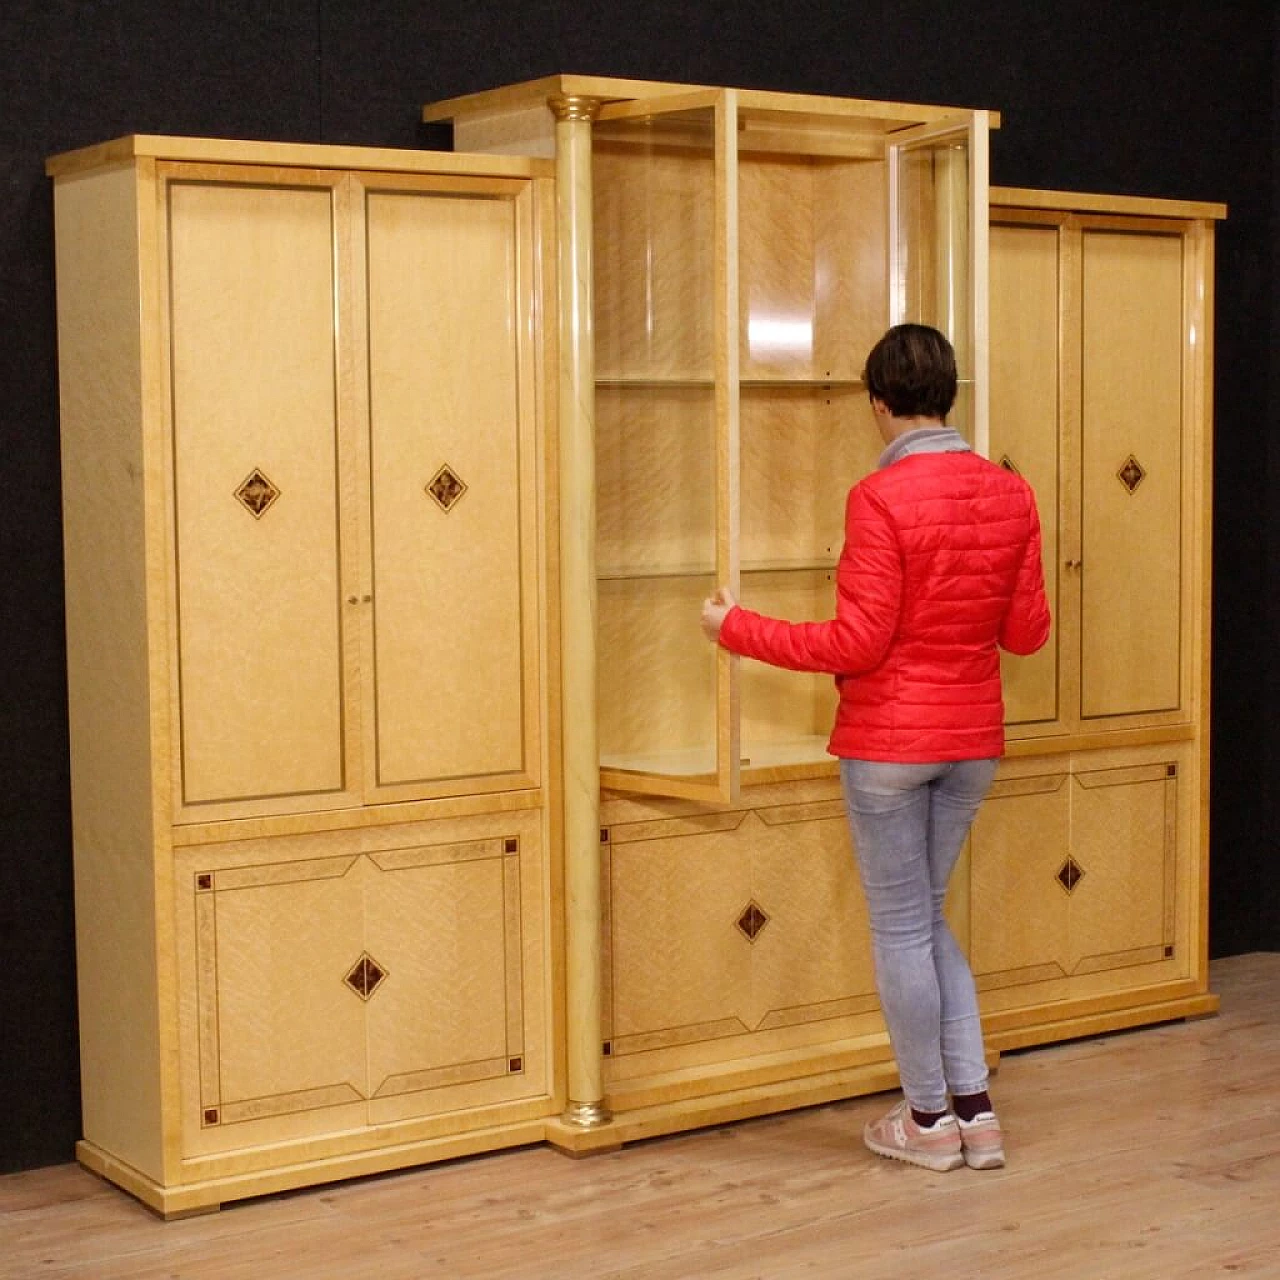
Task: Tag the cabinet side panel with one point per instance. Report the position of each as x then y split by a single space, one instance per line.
103 465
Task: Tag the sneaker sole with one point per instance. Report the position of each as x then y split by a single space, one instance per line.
985 1160
937 1164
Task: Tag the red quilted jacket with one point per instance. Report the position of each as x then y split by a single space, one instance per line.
941 567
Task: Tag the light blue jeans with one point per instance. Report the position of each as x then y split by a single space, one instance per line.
909 823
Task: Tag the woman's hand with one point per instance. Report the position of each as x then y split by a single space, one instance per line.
714 611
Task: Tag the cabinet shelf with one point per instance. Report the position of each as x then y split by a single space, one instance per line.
699 762
815 383
628 573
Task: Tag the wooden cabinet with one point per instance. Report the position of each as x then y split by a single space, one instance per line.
413 816
309 612
735 255
1083 893
392 980
1101 330
1089 862
350 361
749 249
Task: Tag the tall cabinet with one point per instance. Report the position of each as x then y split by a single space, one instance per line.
1090 860
310 608
730 257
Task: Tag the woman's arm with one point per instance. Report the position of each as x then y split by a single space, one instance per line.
868 599
1027 621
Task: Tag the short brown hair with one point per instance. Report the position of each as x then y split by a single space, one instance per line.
913 370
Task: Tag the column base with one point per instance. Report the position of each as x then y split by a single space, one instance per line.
587 1115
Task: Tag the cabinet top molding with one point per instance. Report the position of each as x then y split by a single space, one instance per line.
1081 202
609 89
311 155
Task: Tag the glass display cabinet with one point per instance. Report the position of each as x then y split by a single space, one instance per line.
749 249
727 258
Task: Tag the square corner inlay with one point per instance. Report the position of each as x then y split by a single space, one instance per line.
751 921
366 977
256 493
446 488
1131 475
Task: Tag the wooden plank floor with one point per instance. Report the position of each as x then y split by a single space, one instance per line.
1150 1155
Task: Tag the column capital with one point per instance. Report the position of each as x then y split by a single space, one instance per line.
574 106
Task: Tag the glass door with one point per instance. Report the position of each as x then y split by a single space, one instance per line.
811 253
938 249
666 355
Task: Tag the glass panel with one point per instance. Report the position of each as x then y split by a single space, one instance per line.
933 251
658 415
813 299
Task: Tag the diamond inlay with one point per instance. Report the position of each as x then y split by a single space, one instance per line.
365 978
1131 475
751 921
257 493
446 488
1070 874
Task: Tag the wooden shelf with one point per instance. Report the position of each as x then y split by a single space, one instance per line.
630 573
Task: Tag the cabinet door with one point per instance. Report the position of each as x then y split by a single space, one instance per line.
450 274
1075 878
938 249
254 386
1026 309
457 925
335 983
1085 308
1132 463
733 934
813 299
274 977
665 209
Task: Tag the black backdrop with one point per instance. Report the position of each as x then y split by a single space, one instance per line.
1174 98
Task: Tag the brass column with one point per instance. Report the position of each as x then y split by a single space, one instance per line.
573 116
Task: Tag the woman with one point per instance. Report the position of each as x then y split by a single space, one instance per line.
941 568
